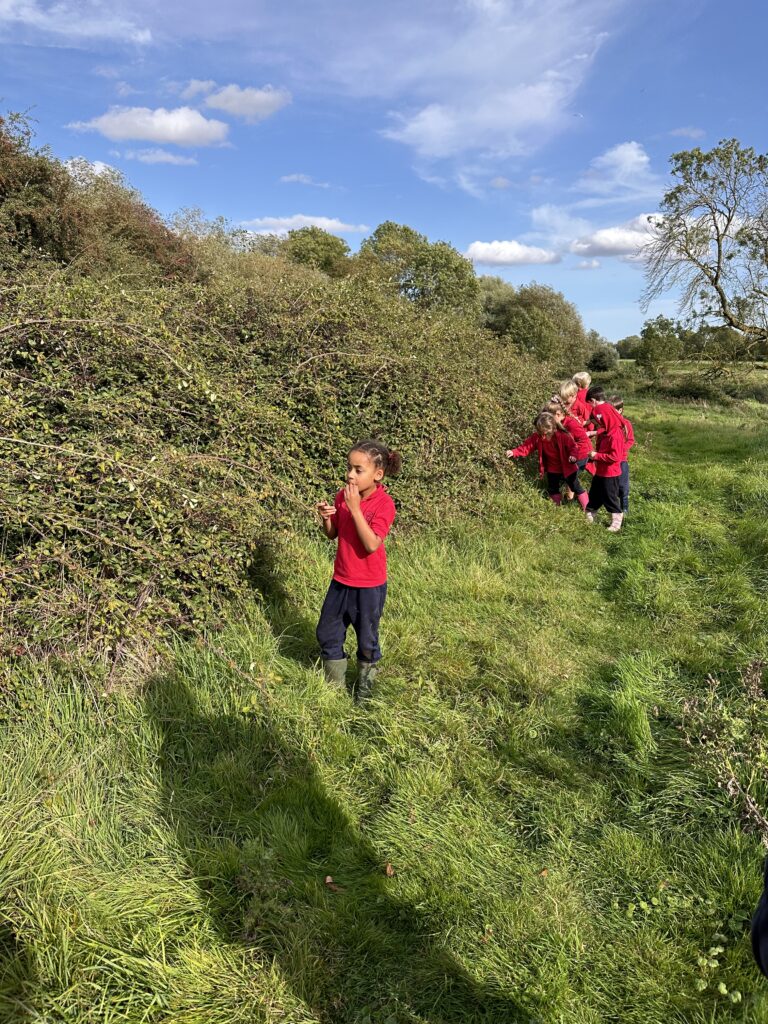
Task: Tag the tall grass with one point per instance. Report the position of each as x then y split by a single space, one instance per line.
513 830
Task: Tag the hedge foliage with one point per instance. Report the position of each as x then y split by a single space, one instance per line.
158 432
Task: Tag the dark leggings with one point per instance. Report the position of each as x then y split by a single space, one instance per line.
624 487
555 481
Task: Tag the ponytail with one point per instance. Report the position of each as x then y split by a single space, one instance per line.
381 456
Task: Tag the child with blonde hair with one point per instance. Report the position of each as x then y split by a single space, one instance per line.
583 382
573 405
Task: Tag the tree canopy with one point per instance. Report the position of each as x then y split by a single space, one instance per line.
430 274
317 248
711 240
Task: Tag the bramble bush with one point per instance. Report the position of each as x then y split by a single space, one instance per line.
159 432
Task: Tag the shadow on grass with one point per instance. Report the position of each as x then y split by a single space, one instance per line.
18 980
284 871
294 631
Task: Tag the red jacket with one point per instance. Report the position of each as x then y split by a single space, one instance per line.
629 437
580 409
554 454
610 453
579 435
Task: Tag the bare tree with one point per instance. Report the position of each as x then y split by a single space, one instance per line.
711 240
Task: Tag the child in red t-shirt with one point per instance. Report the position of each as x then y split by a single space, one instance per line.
556 447
360 519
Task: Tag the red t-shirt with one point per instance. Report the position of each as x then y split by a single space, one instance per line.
354 566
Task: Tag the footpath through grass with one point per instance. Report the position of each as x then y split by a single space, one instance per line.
513 830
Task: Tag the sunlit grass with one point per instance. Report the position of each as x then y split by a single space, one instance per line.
511 830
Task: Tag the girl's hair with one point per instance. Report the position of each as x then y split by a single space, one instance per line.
596 394
553 406
379 454
568 389
546 421
582 379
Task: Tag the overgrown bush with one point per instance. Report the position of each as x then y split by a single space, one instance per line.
174 401
155 439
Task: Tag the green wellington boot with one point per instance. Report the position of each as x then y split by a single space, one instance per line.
336 673
367 672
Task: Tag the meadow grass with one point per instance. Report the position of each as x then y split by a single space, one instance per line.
513 829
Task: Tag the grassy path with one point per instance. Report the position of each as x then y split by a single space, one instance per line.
513 830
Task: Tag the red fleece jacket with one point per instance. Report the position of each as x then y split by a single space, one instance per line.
554 454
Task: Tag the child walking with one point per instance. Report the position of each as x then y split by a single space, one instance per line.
359 519
582 440
557 453
629 439
607 458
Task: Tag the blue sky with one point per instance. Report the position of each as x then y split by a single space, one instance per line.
533 135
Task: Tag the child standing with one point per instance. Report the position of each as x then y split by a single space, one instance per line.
607 458
580 406
360 518
629 439
557 451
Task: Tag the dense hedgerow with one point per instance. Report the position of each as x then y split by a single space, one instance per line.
157 436
175 401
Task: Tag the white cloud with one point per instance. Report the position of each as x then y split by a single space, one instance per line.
625 240
82 169
106 71
281 225
557 225
688 132
500 182
304 179
73 20
159 156
621 174
252 104
181 127
499 85
503 123
509 254
588 265
196 87
124 89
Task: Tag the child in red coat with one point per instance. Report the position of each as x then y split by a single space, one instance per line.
629 439
573 401
583 444
607 456
582 381
557 453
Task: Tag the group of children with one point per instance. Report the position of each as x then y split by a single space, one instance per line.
579 428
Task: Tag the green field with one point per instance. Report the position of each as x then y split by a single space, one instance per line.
525 824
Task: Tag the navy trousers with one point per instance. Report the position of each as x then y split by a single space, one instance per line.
358 607
624 487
